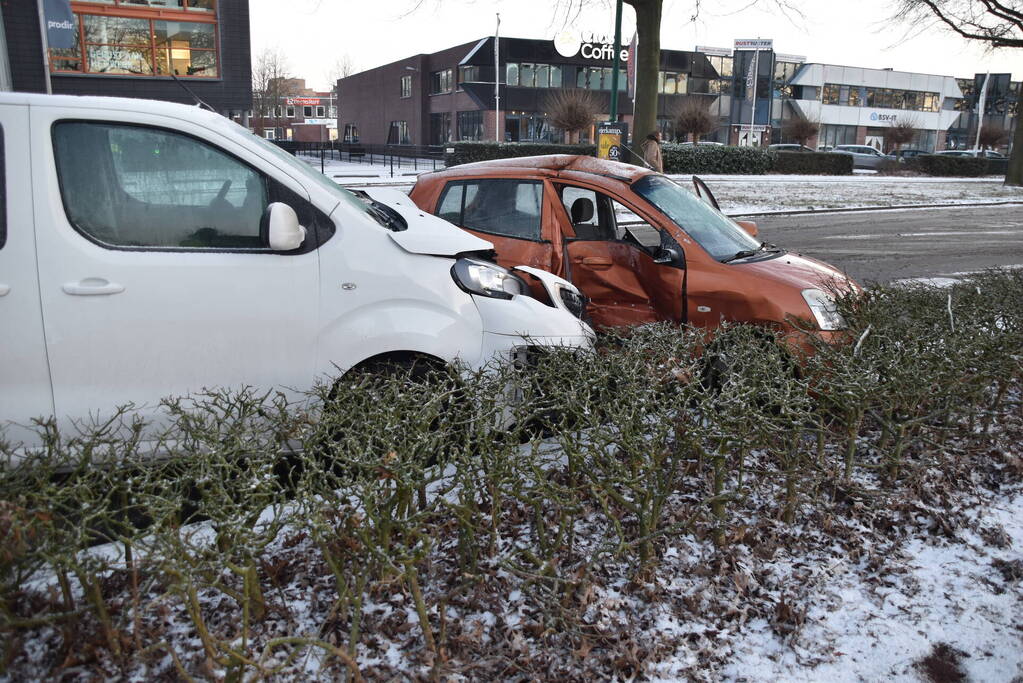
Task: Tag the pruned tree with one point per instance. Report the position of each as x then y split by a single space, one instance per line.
899 132
573 110
994 23
693 117
800 130
992 135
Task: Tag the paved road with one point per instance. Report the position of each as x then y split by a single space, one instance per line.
879 246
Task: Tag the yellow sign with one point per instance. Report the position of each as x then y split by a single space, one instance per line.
611 139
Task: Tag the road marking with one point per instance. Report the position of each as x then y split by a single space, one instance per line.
944 233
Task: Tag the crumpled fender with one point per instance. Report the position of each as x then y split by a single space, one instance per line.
426 234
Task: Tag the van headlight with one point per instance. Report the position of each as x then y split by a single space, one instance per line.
824 309
574 301
486 279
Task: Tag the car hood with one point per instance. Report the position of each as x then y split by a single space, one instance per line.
801 272
426 233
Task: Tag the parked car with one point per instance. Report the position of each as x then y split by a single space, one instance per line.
788 147
155 249
825 148
706 143
904 154
640 247
864 156
990 154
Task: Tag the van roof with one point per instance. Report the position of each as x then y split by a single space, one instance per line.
187 111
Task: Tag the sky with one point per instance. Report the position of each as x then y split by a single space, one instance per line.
314 34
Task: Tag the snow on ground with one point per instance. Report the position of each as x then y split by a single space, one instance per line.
744 195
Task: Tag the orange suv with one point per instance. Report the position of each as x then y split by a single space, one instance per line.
641 247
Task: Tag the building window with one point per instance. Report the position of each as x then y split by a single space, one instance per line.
831 94
321 112
440 128
670 83
291 112
723 65
406 86
529 75
351 133
599 78
440 82
307 112
470 125
159 45
398 133
333 112
468 74
836 135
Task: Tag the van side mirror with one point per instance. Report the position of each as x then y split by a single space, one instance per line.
283 231
749 226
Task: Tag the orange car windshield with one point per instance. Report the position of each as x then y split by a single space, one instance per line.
711 229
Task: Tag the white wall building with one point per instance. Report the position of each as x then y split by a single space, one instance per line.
856 105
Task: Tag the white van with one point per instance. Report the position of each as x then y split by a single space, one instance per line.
150 249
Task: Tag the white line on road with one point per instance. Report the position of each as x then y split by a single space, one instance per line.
947 233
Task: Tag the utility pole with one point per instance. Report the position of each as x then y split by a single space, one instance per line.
617 62
981 106
497 80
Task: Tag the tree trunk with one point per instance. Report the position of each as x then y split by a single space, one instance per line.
648 61
1014 173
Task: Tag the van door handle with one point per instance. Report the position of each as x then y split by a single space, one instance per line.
92 286
4 289
598 262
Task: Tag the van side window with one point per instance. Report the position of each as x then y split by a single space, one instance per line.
133 186
3 191
510 208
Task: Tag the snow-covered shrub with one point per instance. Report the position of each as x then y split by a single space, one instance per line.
812 163
715 159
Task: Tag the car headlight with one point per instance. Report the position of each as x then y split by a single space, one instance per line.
824 309
486 279
574 301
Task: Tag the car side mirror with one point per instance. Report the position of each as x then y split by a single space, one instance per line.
283 230
749 226
667 255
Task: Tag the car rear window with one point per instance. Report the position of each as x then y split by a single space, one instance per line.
506 207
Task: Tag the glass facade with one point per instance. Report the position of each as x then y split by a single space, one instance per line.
881 98
599 78
532 75
155 45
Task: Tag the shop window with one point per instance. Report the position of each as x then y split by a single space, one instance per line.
440 82
470 125
142 46
406 86
398 133
134 186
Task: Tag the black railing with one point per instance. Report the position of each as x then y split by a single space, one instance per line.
395 157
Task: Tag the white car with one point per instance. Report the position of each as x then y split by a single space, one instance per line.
150 249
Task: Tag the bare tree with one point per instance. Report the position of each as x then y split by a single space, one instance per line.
899 132
271 83
692 117
341 68
800 130
572 111
995 23
992 135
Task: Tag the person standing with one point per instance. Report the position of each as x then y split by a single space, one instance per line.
652 151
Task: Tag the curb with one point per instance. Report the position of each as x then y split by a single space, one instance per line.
864 209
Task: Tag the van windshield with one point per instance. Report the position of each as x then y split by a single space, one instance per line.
712 230
307 172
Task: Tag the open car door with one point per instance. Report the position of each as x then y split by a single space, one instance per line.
704 193
631 272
